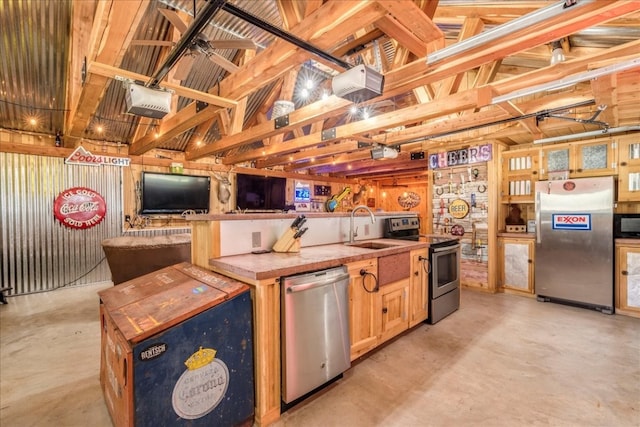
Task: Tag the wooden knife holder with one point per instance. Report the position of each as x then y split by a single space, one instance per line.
286 242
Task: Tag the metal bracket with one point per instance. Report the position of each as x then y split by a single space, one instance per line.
84 70
281 121
364 144
201 105
417 156
328 134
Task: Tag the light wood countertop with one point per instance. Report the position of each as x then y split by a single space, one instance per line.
274 264
517 235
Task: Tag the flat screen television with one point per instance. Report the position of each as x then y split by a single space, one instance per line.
256 192
164 193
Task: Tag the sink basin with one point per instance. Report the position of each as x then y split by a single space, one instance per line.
371 245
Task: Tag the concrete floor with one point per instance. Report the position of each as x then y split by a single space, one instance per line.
501 360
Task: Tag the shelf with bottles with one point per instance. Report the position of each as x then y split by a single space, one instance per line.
629 168
578 159
519 173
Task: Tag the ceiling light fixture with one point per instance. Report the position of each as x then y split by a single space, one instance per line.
569 80
557 54
504 30
603 132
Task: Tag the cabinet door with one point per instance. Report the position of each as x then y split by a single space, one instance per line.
517 264
364 308
555 163
628 281
595 158
418 283
629 168
579 160
395 306
519 172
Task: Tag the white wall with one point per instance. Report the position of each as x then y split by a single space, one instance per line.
236 236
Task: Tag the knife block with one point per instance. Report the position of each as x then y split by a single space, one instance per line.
286 242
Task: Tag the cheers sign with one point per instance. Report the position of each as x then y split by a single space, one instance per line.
79 208
465 156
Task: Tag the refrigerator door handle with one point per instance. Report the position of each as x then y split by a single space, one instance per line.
538 225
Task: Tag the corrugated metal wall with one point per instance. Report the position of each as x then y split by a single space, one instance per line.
37 252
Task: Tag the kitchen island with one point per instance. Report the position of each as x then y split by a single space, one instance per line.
371 322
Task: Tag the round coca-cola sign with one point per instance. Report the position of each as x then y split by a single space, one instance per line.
79 207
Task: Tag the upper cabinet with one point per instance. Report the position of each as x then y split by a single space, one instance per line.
519 172
579 159
629 173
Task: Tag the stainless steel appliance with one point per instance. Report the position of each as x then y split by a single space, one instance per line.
574 242
315 330
443 284
444 280
403 228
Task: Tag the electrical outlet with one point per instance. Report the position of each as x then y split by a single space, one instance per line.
256 239
366 229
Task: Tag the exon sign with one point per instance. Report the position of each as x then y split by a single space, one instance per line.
465 156
571 222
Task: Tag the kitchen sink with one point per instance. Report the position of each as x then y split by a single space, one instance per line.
371 245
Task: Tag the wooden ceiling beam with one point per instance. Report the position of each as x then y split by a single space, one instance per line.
521 81
312 153
485 117
113 72
463 100
325 28
573 20
289 12
111 34
359 42
409 15
402 35
303 116
531 125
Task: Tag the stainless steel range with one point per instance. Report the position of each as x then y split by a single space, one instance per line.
444 265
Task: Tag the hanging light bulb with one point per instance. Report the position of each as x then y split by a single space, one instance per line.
557 54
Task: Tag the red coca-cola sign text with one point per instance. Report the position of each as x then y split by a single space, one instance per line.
79 207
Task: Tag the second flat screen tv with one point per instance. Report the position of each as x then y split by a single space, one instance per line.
261 192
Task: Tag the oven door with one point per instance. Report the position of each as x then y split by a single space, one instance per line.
445 270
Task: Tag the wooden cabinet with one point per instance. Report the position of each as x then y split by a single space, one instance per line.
627 274
629 168
418 287
395 308
516 269
376 316
579 159
365 321
519 172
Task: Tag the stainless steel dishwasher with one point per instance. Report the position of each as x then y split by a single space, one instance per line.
315 330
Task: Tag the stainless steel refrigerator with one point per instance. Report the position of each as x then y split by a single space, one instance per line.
574 242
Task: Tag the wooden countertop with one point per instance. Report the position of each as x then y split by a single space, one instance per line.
629 242
274 264
517 235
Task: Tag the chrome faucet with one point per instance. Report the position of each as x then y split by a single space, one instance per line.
353 233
